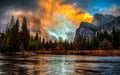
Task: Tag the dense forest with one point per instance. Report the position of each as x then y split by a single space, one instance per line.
17 38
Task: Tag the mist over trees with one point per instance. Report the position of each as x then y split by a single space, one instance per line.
17 38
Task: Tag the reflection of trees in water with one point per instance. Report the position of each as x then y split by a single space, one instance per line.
22 71
16 66
11 69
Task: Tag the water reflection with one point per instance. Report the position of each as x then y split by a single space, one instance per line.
59 65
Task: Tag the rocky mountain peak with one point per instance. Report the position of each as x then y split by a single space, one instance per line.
100 19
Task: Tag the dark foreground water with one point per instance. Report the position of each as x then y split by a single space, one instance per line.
59 65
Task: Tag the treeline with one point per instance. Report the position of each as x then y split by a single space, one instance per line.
17 38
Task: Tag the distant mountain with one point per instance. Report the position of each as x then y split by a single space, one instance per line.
115 22
100 23
86 30
100 19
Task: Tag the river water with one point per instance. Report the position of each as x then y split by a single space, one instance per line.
59 65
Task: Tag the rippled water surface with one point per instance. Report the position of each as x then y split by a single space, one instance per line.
59 65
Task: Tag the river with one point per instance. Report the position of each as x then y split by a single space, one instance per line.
59 65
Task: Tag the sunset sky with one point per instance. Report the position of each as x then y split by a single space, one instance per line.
56 18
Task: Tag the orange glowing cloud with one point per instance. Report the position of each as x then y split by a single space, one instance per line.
52 7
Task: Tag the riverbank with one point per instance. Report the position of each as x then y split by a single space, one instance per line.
72 52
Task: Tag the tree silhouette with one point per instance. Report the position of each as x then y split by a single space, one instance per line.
25 34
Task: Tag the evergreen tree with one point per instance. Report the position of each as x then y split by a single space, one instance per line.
118 32
36 37
77 44
8 35
2 42
12 36
117 39
95 43
36 41
16 34
83 44
87 45
25 34
43 43
105 45
114 38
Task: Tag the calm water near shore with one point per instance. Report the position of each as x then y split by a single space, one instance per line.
59 65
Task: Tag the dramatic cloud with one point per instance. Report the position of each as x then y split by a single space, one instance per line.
114 10
24 4
56 18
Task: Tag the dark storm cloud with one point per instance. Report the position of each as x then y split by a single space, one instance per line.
24 4
17 5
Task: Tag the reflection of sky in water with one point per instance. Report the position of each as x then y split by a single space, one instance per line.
59 66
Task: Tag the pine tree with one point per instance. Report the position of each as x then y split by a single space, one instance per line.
8 35
36 37
16 34
36 41
114 38
25 34
95 42
12 36
105 44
